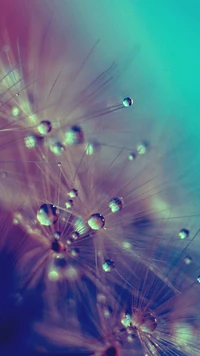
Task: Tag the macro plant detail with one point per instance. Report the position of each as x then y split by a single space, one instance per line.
98 222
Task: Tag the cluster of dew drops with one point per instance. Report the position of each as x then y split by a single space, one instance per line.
64 239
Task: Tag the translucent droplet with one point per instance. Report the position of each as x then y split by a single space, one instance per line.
44 127
128 102
132 156
69 204
116 204
74 136
15 111
198 279
57 235
183 233
141 149
75 252
148 322
47 214
126 320
188 260
91 147
73 193
17 94
69 241
56 148
108 265
96 221
75 235
30 141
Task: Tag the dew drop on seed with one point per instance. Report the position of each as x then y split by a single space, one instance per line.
74 136
44 127
183 233
57 235
127 102
141 148
69 204
15 111
96 221
30 141
73 193
188 260
108 265
56 148
75 235
47 215
75 252
148 322
116 204
132 156
91 148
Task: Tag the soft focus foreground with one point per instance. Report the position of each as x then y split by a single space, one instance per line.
99 190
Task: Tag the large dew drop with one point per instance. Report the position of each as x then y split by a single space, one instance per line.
96 221
47 215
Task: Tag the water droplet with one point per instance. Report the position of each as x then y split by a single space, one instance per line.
56 148
108 265
96 221
75 235
132 156
57 235
47 214
73 193
69 204
148 322
128 102
15 111
116 204
198 279
75 252
183 233
141 148
91 147
30 141
74 136
44 127
188 260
